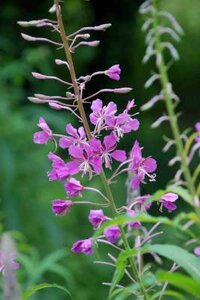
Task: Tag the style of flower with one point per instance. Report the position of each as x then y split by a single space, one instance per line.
100 112
42 137
96 217
123 123
112 234
61 207
134 224
73 187
60 170
167 200
8 261
83 246
197 251
106 150
140 166
75 137
114 72
84 161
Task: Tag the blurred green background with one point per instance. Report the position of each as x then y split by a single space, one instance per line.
25 192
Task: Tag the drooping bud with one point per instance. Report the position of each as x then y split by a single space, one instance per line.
28 37
123 90
55 106
102 27
39 76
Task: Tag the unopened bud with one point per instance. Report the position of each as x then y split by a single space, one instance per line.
39 76
85 36
55 106
41 96
35 100
69 94
37 23
52 9
93 43
28 37
123 90
102 27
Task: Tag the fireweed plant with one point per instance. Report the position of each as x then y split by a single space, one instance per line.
92 147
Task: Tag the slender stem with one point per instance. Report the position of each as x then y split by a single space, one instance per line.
87 128
169 103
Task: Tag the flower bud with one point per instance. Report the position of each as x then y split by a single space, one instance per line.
123 90
28 37
39 76
102 27
55 106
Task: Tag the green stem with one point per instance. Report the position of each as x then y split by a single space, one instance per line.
87 129
169 104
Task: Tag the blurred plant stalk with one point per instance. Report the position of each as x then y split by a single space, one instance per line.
8 266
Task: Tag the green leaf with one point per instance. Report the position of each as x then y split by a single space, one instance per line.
180 281
176 295
118 275
123 219
189 262
38 287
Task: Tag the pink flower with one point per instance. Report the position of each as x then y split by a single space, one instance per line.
123 123
140 166
83 160
112 234
42 137
142 200
168 200
76 137
100 112
83 246
197 251
96 217
135 224
114 72
61 207
107 151
197 127
73 187
8 261
60 170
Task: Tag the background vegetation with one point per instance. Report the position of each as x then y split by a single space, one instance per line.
25 192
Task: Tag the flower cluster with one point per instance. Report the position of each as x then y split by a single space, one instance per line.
94 146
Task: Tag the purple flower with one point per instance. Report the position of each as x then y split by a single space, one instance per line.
114 72
75 137
135 224
73 187
60 170
142 200
83 246
106 151
83 160
96 217
197 251
10 261
140 166
100 112
42 137
197 127
61 207
168 200
123 123
112 234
